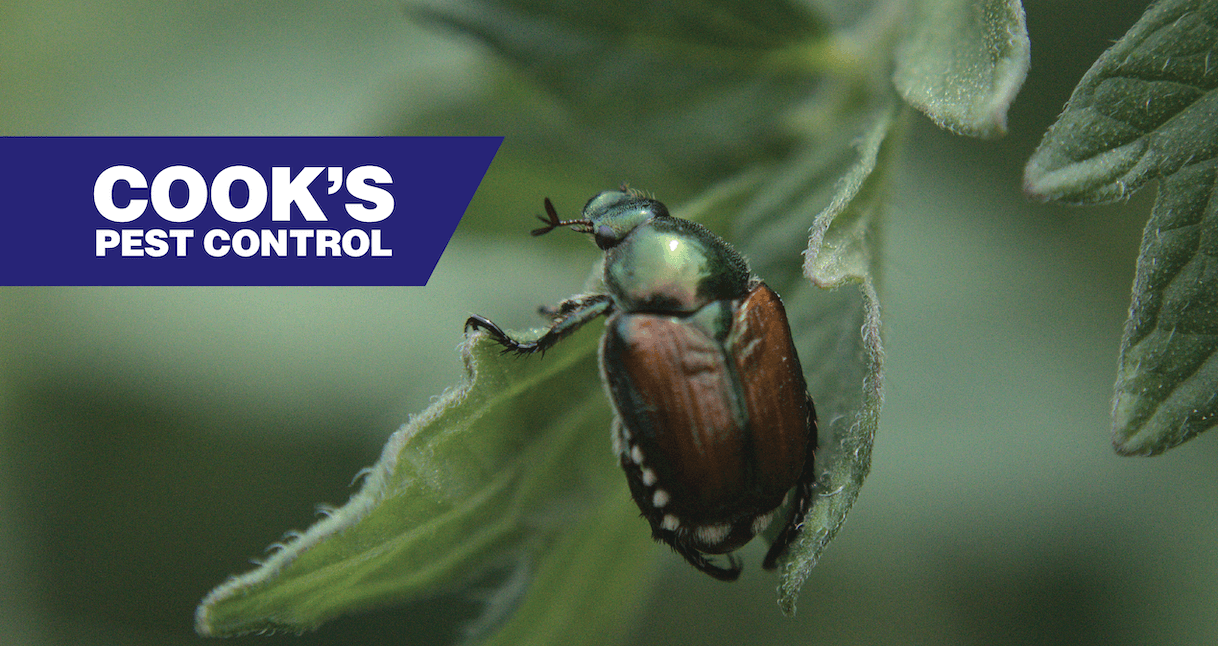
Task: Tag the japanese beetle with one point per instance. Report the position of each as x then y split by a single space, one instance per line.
714 425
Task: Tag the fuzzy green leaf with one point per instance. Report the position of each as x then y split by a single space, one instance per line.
1167 379
1148 109
491 472
962 62
845 339
841 246
651 86
842 249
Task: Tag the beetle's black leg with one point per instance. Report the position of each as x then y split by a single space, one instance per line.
572 314
803 498
562 309
703 564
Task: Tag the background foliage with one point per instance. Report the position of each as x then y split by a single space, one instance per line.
155 439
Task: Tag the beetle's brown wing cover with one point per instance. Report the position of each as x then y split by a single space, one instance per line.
674 393
724 426
774 393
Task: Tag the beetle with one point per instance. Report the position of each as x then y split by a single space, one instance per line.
713 424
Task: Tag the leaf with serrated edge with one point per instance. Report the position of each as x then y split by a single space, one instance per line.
460 486
962 62
1148 109
1167 379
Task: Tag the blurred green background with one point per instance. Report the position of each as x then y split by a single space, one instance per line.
152 440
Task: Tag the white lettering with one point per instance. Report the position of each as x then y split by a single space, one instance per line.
103 194
328 240
221 194
106 239
209 243
196 193
358 187
377 251
287 190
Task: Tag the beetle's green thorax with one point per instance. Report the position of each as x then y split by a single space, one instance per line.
667 264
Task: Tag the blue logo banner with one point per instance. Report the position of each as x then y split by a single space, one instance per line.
233 210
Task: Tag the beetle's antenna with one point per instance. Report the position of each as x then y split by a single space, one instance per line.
582 226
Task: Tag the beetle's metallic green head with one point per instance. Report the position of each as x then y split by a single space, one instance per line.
614 214
609 216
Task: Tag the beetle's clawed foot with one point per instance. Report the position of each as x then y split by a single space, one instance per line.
730 573
704 565
509 344
477 322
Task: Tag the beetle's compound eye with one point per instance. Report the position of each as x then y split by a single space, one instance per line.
606 237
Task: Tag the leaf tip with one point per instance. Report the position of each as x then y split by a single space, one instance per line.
1126 446
787 606
1128 438
1033 189
1140 426
203 626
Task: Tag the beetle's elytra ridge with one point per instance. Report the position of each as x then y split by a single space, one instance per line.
714 428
